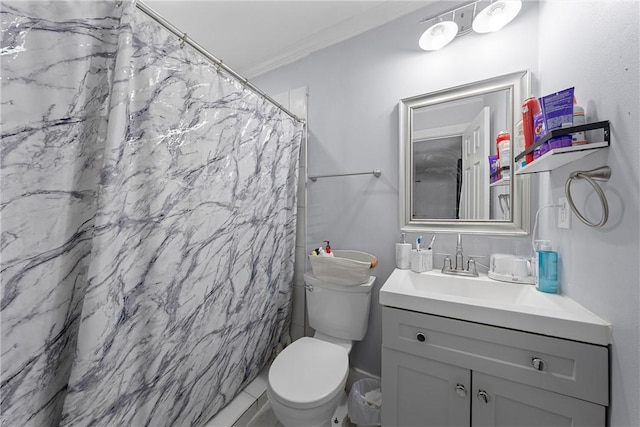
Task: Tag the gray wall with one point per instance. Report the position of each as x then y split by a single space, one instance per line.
354 89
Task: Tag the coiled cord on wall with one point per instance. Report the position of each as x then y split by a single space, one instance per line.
602 173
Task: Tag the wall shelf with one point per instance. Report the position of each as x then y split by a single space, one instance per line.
557 157
561 156
501 183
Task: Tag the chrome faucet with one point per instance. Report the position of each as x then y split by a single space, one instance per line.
460 269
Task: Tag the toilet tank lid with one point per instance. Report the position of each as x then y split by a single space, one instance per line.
312 280
308 373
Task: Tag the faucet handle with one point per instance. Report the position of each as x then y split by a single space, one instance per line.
446 256
471 267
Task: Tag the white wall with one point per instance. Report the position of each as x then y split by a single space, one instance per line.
354 89
295 100
601 266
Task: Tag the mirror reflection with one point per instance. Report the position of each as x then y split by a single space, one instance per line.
446 140
451 144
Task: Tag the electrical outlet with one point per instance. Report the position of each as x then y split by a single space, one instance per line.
564 214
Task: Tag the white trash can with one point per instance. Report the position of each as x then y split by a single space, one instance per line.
365 402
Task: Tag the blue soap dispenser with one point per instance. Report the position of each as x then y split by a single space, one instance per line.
547 270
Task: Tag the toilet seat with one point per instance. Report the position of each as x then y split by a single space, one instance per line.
308 373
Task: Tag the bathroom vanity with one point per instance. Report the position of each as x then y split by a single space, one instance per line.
471 351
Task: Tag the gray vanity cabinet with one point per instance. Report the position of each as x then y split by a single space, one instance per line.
512 404
421 392
438 371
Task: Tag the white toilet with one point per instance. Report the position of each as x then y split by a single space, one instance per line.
307 379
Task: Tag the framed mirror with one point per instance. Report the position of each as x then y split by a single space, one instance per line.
446 138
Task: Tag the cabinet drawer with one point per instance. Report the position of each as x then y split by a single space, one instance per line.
572 368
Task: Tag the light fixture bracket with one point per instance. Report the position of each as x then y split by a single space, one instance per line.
465 16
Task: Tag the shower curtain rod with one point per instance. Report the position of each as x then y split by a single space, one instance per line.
186 39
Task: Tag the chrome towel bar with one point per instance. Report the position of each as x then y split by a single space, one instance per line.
375 172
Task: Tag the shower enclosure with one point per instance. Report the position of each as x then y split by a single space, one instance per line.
148 214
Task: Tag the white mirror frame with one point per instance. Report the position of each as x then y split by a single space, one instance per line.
519 84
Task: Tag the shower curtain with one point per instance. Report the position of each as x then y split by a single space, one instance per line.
147 218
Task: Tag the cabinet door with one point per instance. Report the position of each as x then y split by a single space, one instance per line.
423 392
499 402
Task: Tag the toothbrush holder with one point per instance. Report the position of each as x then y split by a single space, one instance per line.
421 260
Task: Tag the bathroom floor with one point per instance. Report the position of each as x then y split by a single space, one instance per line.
264 418
252 409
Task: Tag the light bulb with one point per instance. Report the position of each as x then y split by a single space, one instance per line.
438 35
497 18
496 15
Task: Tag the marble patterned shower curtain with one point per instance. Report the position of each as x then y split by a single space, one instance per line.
147 218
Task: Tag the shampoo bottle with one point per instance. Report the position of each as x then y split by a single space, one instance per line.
403 254
547 270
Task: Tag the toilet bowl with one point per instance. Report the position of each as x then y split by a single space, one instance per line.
306 382
307 379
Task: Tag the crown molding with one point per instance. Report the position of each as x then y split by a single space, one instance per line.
374 17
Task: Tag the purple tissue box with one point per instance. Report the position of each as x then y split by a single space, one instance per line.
557 142
560 141
493 168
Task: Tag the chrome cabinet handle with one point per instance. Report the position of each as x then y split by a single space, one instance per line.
538 364
461 390
421 337
483 396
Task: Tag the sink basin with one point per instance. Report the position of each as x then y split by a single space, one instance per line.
480 288
483 300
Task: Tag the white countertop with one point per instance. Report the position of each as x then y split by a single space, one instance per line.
484 300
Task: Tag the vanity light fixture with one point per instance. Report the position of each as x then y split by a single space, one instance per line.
493 15
483 16
438 35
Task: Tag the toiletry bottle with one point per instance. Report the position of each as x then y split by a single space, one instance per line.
519 144
503 143
530 107
539 131
534 261
327 249
547 270
403 253
578 138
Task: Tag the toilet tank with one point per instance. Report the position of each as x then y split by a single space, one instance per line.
340 311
